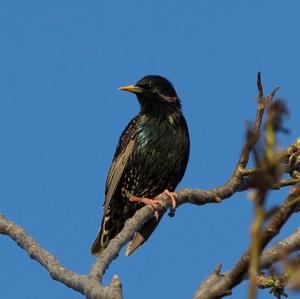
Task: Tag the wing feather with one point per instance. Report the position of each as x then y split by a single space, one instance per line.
123 152
116 172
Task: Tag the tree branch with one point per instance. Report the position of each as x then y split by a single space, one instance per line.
220 284
83 284
280 250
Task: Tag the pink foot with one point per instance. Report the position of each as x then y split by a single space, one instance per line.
172 196
148 201
154 202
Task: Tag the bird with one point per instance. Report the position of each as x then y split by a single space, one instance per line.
151 158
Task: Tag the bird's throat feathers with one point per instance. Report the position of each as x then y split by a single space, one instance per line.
161 110
171 114
161 117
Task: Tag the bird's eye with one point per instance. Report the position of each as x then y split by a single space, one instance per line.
147 86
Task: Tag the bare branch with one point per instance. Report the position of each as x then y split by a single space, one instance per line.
280 250
83 284
215 286
235 183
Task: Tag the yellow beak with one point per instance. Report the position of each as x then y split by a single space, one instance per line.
131 88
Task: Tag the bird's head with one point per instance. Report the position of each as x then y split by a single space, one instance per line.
154 92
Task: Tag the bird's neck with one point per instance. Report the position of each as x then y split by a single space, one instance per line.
166 113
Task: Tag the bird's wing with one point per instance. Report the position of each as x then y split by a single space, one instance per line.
116 172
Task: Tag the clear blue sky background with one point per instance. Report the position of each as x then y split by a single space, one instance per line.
61 114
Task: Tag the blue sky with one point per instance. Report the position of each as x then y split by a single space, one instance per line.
61 115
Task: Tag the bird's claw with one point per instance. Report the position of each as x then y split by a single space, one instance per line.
154 202
172 196
150 202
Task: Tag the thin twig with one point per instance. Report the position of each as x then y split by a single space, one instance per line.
255 247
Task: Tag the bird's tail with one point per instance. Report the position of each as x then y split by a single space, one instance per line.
143 234
111 226
99 244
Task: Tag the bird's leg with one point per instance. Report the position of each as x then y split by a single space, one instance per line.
149 202
153 202
146 201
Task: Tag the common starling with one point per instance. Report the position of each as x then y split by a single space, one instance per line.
151 158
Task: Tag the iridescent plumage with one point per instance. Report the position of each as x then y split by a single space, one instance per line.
151 156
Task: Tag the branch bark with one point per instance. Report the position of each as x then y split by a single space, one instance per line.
280 250
219 284
83 284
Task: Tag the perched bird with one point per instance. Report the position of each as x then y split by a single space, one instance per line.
151 158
